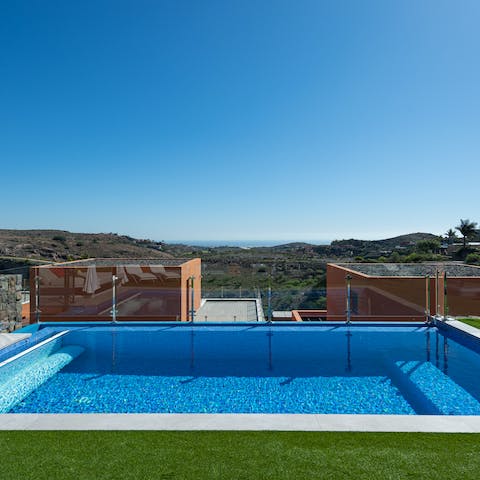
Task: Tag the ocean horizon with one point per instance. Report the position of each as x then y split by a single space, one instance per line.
244 243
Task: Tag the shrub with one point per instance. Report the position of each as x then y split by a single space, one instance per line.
473 259
395 257
423 257
428 246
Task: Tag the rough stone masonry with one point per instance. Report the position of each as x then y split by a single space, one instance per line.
10 302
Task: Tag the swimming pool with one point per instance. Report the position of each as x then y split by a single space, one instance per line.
359 369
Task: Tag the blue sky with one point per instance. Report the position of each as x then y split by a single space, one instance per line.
240 119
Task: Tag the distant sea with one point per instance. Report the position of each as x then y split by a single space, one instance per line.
244 243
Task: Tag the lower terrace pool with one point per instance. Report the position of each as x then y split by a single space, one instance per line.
329 369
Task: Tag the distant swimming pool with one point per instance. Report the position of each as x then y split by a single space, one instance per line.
410 369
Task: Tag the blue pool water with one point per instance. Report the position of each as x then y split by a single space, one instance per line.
246 369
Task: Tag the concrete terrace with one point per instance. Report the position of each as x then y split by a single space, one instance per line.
230 310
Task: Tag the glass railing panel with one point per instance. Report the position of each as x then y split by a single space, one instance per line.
387 298
281 287
249 290
462 296
151 293
409 291
77 293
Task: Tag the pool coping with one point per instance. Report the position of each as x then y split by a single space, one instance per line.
238 422
249 422
457 325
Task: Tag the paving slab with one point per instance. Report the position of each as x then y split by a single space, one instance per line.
7 339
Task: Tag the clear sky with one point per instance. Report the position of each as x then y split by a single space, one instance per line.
240 119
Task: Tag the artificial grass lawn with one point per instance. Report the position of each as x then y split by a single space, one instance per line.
474 322
237 455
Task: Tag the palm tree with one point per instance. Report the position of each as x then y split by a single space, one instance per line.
467 229
451 236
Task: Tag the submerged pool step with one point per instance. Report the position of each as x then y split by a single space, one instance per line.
18 385
433 391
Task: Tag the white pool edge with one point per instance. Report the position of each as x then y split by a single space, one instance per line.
463 327
243 422
35 347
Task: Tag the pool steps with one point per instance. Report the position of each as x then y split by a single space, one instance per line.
430 391
18 384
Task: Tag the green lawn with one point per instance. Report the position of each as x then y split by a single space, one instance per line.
237 455
474 322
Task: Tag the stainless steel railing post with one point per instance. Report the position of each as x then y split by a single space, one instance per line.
348 310
445 296
269 308
192 298
114 298
37 298
427 298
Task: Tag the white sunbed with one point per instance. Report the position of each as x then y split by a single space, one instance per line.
161 273
138 274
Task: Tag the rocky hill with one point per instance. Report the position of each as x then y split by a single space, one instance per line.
374 248
59 245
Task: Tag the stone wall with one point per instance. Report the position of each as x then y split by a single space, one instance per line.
10 302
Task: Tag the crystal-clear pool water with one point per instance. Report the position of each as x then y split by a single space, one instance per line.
246 369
